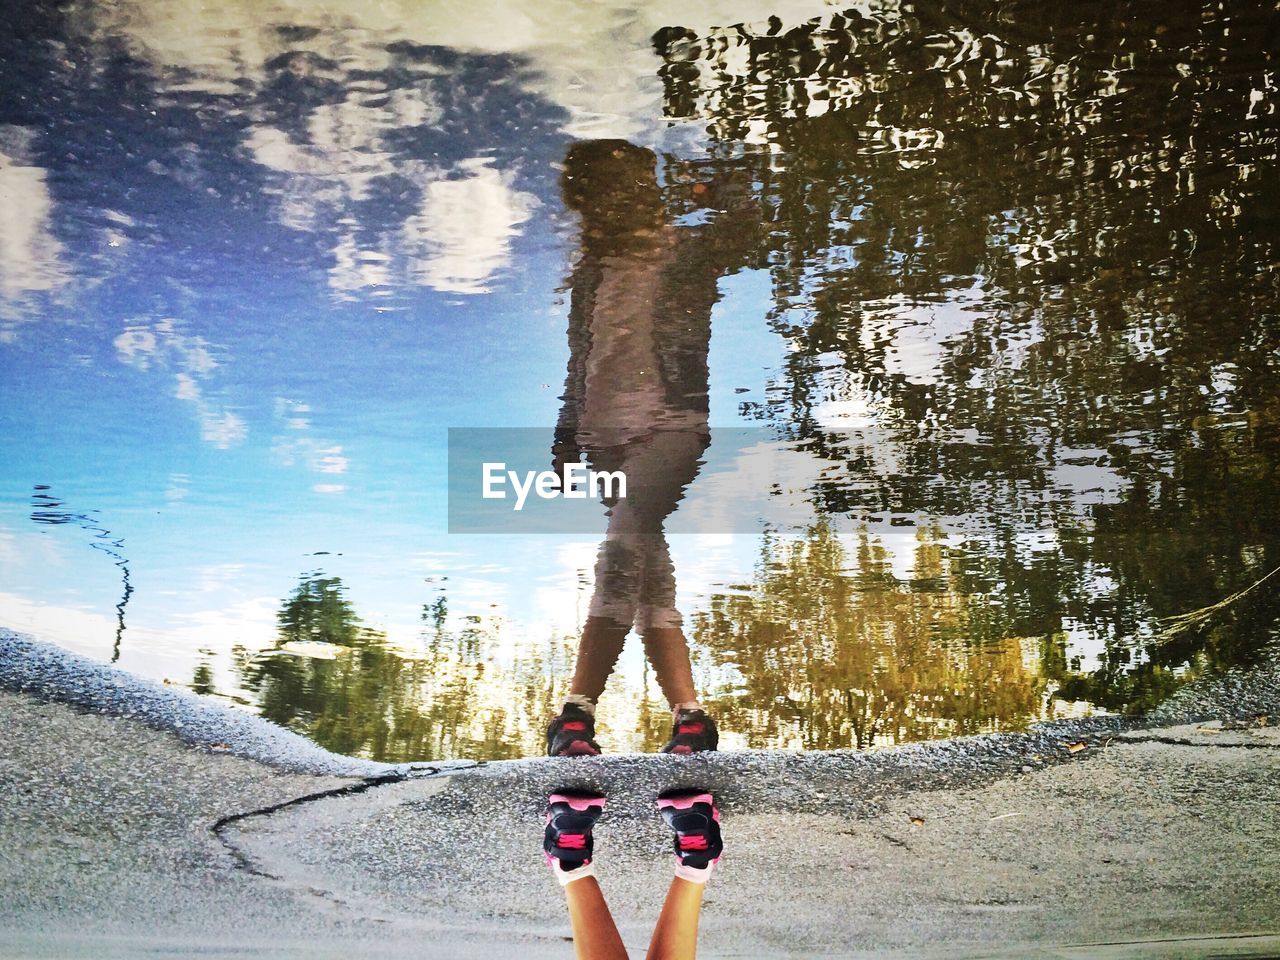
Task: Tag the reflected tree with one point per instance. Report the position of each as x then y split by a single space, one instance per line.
1034 249
829 648
347 686
202 680
335 680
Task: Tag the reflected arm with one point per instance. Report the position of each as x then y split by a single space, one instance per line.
565 447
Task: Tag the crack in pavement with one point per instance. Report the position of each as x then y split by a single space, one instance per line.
253 866
254 854
246 863
1181 742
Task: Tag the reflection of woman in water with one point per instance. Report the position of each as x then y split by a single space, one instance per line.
568 847
635 400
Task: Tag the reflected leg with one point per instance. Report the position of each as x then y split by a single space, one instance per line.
660 624
634 572
668 651
675 937
613 605
602 641
609 619
595 935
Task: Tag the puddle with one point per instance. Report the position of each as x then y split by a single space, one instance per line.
959 332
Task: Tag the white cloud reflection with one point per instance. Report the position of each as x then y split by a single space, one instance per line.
457 241
462 234
296 447
31 257
159 344
595 61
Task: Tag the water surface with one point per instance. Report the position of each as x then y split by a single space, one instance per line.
1002 303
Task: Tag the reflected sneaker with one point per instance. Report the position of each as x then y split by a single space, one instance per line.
572 734
567 843
692 814
692 732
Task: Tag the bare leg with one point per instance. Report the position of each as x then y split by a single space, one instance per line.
668 651
595 936
613 610
598 651
659 621
676 935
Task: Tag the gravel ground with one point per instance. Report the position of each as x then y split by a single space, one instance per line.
135 819
53 674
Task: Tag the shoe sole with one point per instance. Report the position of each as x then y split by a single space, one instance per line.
686 801
578 748
684 749
581 802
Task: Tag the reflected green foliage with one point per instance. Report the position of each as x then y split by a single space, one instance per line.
1032 248
346 686
829 648
202 677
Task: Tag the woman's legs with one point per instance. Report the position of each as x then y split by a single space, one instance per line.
693 816
675 937
572 731
660 623
609 618
598 651
668 652
634 573
667 648
595 936
569 846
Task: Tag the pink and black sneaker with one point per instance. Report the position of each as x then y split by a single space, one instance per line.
692 814
572 734
692 732
567 843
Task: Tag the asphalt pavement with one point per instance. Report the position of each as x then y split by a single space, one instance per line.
137 820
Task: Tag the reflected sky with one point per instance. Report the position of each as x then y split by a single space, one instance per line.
1011 324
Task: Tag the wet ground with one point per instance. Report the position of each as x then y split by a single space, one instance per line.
976 301
1154 841
942 340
